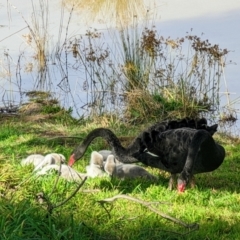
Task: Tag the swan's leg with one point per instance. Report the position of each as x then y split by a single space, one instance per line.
172 181
192 181
193 149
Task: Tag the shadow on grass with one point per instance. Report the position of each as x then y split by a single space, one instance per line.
225 178
24 220
127 185
216 181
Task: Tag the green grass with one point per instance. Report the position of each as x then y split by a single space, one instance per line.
214 203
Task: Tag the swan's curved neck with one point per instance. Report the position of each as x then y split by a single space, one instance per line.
106 134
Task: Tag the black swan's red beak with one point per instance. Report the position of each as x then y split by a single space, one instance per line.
181 187
71 160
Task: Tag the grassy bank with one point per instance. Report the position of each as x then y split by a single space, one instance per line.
214 203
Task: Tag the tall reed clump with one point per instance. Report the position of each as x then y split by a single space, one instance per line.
146 76
179 77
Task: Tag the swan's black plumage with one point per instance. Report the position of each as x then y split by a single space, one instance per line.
186 151
173 146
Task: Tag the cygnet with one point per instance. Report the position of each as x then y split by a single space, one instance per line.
34 159
65 171
95 169
122 171
52 158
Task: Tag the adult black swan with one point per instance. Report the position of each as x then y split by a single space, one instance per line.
186 151
159 146
137 146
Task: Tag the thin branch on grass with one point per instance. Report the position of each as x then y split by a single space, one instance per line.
193 226
41 197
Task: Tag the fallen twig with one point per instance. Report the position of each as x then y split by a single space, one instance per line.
193 226
41 197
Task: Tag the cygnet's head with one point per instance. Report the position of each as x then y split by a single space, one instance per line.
110 164
96 159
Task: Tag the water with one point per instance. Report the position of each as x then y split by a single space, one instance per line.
218 21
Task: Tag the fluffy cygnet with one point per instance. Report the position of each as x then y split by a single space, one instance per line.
95 169
34 159
51 158
105 154
121 170
66 172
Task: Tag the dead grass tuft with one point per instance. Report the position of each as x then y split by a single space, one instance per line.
141 104
30 108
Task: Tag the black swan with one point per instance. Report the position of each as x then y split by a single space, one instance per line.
137 145
144 147
186 151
